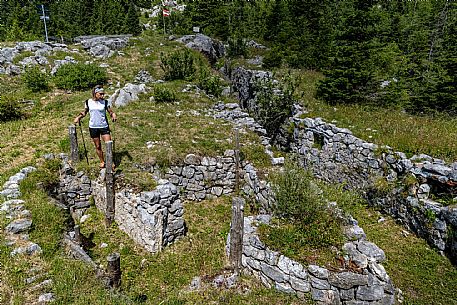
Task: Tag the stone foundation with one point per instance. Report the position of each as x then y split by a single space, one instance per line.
152 219
334 154
369 284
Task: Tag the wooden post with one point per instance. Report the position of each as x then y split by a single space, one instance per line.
74 151
114 270
109 184
236 233
237 160
77 235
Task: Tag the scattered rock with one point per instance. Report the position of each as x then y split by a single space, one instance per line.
196 283
143 77
84 218
103 46
46 298
211 48
129 93
18 226
218 281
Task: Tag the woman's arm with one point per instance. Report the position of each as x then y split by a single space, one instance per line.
112 114
80 116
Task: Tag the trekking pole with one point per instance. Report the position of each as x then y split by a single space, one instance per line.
84 142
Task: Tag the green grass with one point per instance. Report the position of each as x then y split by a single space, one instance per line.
411 134
162 278
424 276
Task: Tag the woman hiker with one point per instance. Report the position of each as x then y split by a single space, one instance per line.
97 107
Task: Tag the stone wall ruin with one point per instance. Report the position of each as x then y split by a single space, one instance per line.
334 154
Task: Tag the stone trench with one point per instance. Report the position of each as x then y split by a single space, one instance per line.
154 219
335 155
17 237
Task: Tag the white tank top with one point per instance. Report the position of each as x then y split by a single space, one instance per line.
97 111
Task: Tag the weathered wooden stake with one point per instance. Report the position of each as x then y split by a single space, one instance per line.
109 184
74 151
114 269
236 233
237 160
77 234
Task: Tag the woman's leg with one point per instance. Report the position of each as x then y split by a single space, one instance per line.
98 149
106 137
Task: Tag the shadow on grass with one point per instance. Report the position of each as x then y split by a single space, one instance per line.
118 156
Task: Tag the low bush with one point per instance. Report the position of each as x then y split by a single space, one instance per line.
164 95
79 76
210 83
178 65
237 47
274 103
35 79
272 59
305 222
297 197
9 110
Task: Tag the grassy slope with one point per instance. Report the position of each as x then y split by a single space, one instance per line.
199 253
165 276
411 134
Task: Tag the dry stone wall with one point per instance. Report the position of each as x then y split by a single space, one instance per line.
368 284
202 178
152 219
16 233
155 219
336 155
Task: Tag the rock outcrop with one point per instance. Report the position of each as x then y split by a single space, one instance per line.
211 48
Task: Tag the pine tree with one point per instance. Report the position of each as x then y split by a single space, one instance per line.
350 78
211 16
132 21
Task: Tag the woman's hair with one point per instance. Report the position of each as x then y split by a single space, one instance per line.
96 87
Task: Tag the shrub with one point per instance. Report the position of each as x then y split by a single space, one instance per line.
272 59
79 76
274 103
35 80
298 200
296 197
9 110
164 95
210 83
178 65
237 47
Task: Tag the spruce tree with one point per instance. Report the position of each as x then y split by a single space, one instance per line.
350 78
132 21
